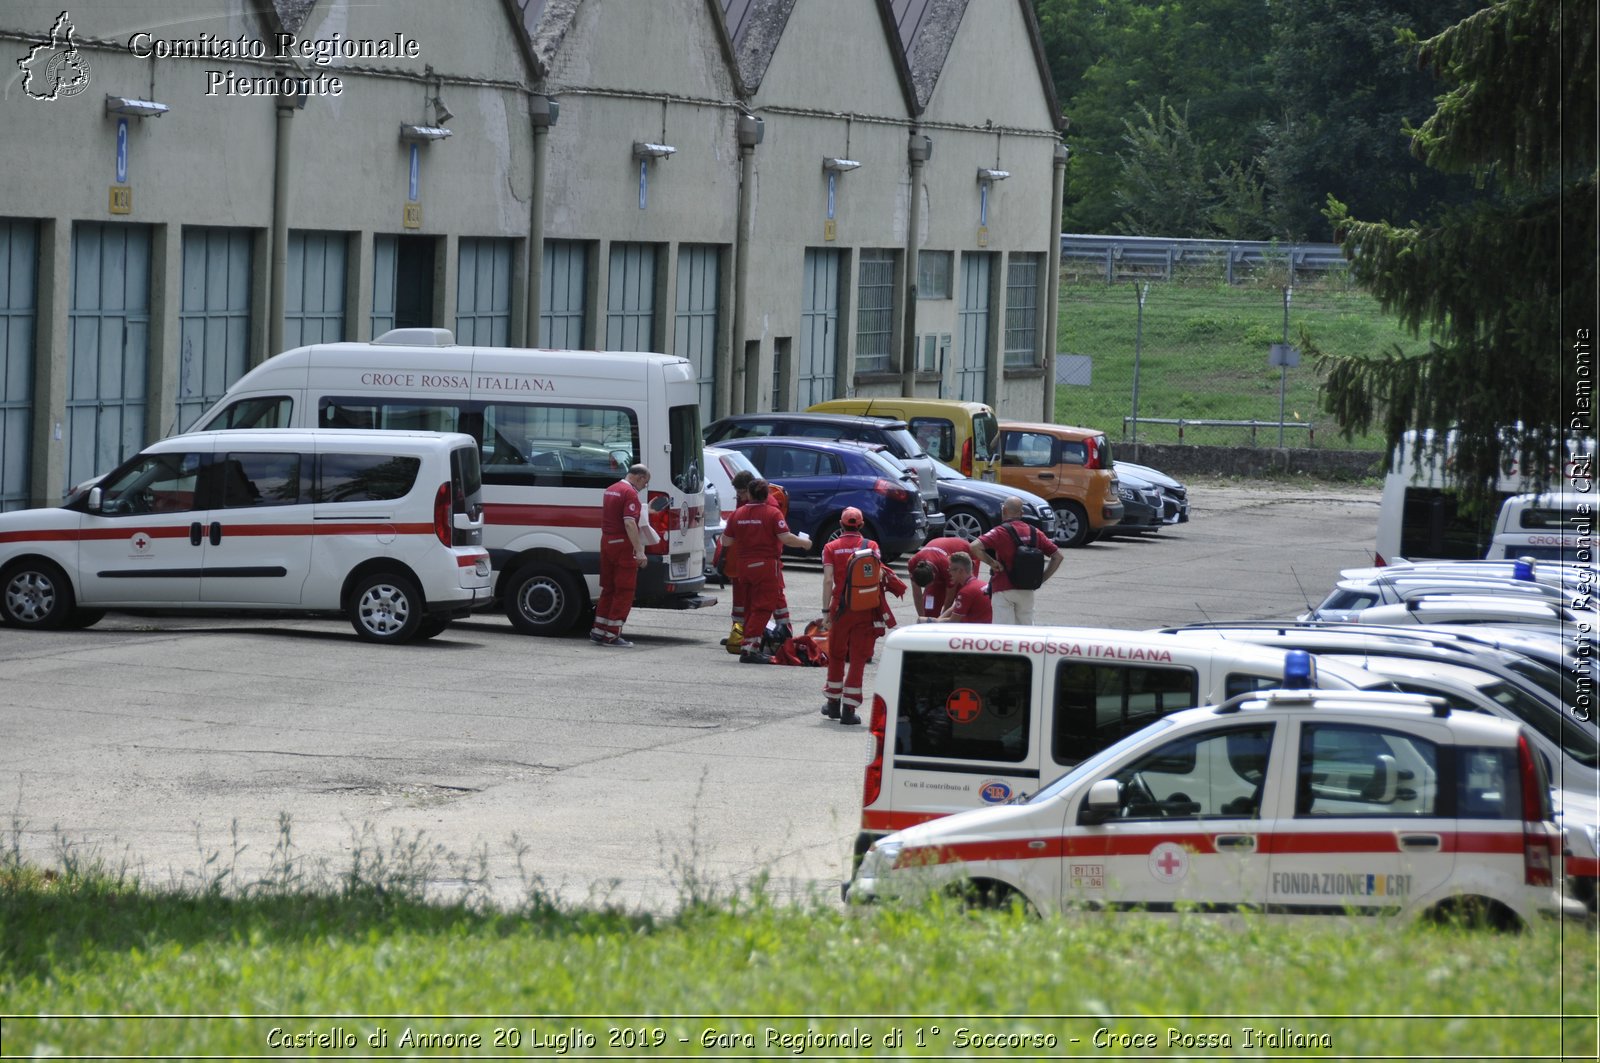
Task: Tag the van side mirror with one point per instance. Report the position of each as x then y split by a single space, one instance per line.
95 496
1102 804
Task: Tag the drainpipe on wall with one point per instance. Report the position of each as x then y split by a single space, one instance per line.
731 374
919 150
280 225
1052 307
542 113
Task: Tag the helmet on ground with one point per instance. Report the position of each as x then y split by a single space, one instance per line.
851 518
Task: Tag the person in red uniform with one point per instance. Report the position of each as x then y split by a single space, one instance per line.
621 557
778 498
969 602
854 633
930 571
759 533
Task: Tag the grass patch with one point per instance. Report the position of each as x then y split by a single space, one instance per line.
1203 352
364 954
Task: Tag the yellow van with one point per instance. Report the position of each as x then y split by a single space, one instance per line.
960 434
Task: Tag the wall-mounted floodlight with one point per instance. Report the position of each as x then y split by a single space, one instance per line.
840 165
751 130
988 176
643 149
441 113
423 132
920 148
136 108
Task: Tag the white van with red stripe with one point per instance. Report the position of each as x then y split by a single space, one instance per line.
1290 802
383 527
969 715
554 429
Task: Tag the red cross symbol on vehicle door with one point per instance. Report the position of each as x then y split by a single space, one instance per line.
963 705
1169 862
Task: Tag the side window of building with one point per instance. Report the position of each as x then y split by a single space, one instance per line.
1216 774
364 477
250 480
1360 770
1097 704
964 706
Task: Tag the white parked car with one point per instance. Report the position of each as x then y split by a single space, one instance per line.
384 527
1289 802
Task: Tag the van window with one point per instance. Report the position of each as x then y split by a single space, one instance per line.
152 483
1432 526
688 453
964 706
985 435
263 411
558 446
1096 704
364 477
260 480
411 415
936 436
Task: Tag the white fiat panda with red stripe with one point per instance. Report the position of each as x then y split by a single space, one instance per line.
384 527
1294 802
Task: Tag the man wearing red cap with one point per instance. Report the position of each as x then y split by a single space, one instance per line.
854 632
930 571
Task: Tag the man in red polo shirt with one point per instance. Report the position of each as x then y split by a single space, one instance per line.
778 498
853 633
997 547
969 601
621 557
759 533
930 571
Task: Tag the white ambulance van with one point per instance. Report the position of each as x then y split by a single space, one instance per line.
554 428
1284 802
1559 526
383 527
967 715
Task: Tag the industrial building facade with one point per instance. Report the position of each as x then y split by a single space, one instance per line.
807 198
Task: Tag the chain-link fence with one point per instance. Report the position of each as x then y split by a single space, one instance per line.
1197 360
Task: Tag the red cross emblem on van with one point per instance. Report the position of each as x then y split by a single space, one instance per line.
963 705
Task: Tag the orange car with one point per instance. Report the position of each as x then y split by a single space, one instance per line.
1071 467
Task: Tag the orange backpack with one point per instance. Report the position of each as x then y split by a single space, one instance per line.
863 582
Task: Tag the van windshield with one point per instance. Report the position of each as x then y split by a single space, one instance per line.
1089 767
903 444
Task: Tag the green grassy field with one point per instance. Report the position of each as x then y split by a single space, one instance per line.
92 965
1203 354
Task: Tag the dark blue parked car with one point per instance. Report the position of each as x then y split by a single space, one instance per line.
823 477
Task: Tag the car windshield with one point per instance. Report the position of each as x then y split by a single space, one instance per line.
1573 738
735 462
903 443
941 471
1085 768
885 462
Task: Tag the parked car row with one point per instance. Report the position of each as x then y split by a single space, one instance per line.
964 464
1386 738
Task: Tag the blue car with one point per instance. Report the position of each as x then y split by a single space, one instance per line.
823 477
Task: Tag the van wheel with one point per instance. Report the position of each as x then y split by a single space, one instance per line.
543 600
964 523
36 594
431 626
1072 523
386 607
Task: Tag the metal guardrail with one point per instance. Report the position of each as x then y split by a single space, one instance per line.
1203 422
1136 257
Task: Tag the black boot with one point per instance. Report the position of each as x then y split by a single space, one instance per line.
831 709
847 715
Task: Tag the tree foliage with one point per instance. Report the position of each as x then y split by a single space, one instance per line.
1344 90
1169 183
1504 285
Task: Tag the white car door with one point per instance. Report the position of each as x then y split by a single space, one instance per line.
144 545
1188 827
259 535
